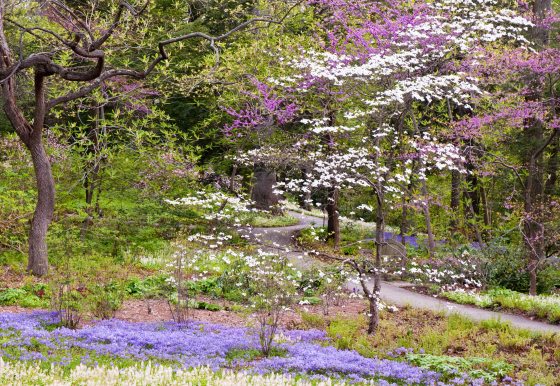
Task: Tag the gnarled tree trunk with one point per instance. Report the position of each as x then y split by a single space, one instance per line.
32 136
44 209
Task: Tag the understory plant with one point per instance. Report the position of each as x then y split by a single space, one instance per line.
274 291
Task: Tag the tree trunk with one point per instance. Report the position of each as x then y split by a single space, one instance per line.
428 218
541 9
552 169
373 309
455 198
455 182
472 207
487 212
263 189
38 255
379 242
32 136
533 228
232 179
333 221
405 224
472 192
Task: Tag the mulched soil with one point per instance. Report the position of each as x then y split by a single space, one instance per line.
157 310
18 310
9 278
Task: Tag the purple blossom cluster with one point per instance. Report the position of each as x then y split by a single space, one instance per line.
195 344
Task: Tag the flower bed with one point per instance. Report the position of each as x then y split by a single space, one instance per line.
23 374
35 337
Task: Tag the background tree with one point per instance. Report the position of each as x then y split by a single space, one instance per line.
76 48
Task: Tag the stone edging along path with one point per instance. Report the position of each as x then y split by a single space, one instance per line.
280 239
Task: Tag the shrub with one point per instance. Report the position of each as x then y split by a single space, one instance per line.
29 296
106 300
505 266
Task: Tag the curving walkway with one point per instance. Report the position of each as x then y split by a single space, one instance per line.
279 239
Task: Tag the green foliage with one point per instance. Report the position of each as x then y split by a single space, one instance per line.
345 332
487 369
310 320
252 354
207 306
312 235
152 286
506 267
489 349
29 296
105 300
467 298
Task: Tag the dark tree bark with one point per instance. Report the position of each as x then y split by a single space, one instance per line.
232 179
472 191
455 199
333 220
31 136
44 209
472 196
533 228
263 188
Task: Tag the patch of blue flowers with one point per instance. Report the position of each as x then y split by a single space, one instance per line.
196 344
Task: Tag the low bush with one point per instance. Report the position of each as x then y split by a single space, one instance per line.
29 296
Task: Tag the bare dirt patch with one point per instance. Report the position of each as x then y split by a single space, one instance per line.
158 310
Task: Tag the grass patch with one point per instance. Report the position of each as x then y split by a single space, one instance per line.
265 220
490 349
542 306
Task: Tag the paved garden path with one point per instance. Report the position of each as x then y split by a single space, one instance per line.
280 240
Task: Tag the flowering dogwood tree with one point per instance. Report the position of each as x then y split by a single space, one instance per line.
387 62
